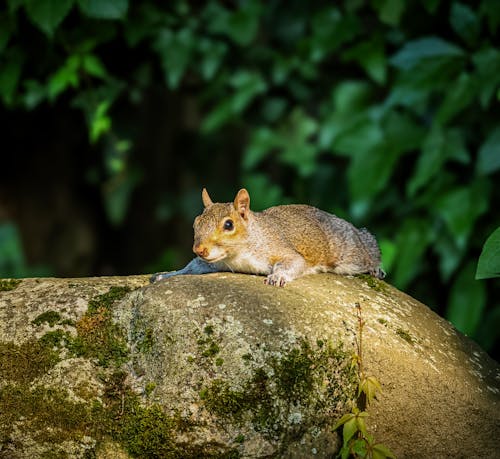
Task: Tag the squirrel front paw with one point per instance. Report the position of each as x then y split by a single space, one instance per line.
275 279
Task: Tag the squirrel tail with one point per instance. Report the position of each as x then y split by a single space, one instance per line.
370 244
373 250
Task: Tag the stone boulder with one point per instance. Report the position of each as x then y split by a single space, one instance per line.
222 365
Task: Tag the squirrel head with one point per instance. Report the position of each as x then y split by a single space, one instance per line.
222 227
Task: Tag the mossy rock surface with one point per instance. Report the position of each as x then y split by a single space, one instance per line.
224 366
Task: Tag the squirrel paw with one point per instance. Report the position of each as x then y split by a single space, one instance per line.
275 279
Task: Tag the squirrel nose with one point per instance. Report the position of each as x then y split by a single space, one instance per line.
200 250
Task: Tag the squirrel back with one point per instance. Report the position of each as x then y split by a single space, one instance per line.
282 242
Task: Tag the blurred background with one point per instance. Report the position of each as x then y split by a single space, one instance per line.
115 113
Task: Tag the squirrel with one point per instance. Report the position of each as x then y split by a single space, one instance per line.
283 242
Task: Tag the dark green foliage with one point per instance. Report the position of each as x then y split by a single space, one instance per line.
384 112
489 261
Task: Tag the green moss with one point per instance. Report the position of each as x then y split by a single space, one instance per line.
149 388
239 439
225 402
50 317
26 361
52 416
209 330
148 432
98 336
374 283
119 415
294 373
299 376
405 334
8 284
208 346
106 300
212 350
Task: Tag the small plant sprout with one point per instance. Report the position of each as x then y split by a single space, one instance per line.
356 441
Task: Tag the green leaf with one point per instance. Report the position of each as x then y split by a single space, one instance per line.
465 22
104 9
351 96
489 260
297 148
361 423
240 25
460 94
65 77
6 29
380 451
489 154
10 74
350 429
246 87
358 135
401 131
438 147
93 66
461 207
346 417
369 386
329 30
450 254
390 11
100 121
264 192
467 301
487 63
175 49
359 448
415 86
48 14
35 92
370 171
212 54
417 51
490 9
413 239
262 142
370 55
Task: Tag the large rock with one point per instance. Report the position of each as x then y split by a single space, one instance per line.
222 365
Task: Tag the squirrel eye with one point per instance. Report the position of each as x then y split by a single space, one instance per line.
228 225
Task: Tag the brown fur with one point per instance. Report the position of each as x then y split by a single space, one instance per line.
282 242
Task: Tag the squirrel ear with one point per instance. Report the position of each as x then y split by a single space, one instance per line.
206 198
242 203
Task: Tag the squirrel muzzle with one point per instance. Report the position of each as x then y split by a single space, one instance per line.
200 250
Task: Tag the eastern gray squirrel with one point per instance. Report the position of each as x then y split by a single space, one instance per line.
282 242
